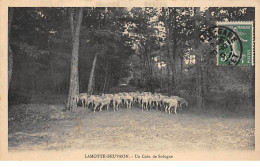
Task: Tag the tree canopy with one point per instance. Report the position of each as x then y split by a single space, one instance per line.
152 49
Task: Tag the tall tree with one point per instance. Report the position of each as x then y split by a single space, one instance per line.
166 12
91 81
75 18
10 52
199 79
106 27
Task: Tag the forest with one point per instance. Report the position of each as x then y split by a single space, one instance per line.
56 53
99 49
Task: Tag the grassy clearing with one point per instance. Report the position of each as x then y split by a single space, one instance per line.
47 127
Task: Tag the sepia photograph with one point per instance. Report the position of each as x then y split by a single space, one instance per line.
131 83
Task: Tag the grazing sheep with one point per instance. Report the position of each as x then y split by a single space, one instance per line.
128 100
80 99
169 104
92 99
105 101
183 103
150 99
156 100
122 97
165 103
139 99
101 102
116 100
173 103
134 95
97 102
83 99
161 102
146 100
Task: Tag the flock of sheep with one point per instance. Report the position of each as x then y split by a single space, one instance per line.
145 100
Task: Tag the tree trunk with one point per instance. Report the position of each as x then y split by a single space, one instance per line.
74 78
108 83
151 70
206 79
142 70
168 76
181 65
161 81
54 79
149 74
10 52
91 77
106 76
168 80
174 36
199 84
171 54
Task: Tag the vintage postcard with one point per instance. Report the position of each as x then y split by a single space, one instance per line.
129 80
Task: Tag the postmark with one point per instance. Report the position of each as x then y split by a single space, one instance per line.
232 43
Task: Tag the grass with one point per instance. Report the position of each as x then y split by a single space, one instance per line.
43 126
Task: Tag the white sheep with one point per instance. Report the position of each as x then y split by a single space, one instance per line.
144 102
147 100
82 98
181 101
169 104
102 101
128 100
116 100
156 100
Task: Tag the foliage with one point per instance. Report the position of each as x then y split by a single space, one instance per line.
136 44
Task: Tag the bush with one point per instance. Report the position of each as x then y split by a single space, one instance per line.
15 98
153 82
134 82
230 100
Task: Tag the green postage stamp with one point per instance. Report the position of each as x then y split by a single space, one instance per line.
235 43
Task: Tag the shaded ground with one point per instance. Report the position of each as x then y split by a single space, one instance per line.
47 127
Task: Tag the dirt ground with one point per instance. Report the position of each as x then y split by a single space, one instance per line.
47 127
